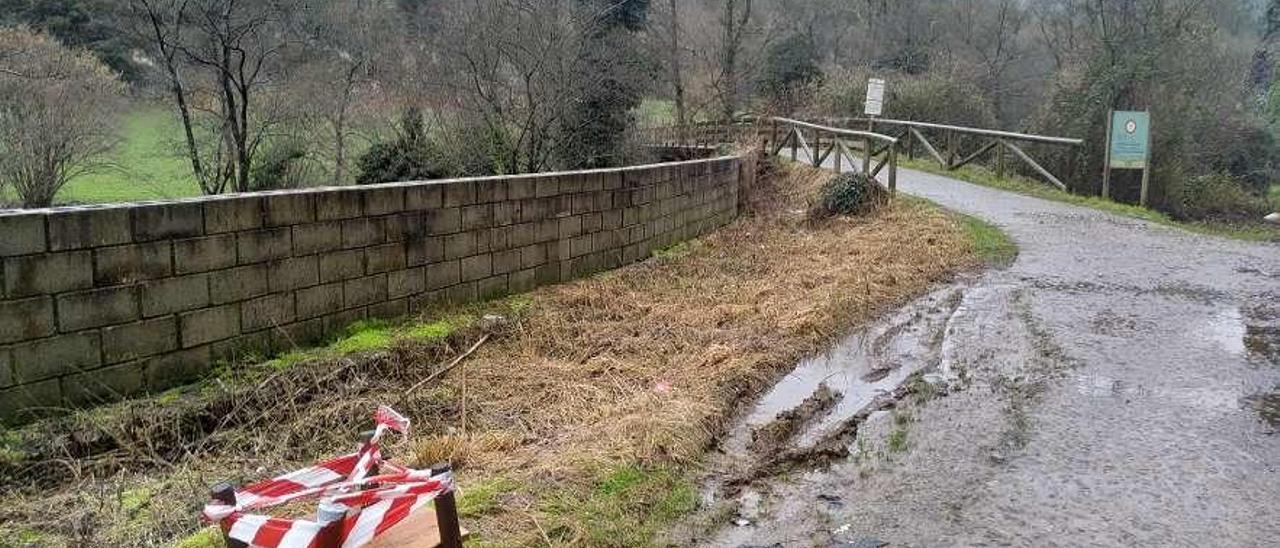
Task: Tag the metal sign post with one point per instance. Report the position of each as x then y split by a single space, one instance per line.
1128 147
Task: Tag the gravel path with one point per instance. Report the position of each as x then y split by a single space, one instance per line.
1116 386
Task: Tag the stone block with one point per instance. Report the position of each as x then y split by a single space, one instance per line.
363 232
364 291
24 403
490 190
385 258
444 221
104 385
459 245
459 193
506 261
97 307
319 300
133 341
238 284
492 288
533 255
78 228
317 237
55 357
592 222
580 245
300 335
208 325
506 213
132 263
338 204
445 274
548 230
168 221
264 245
204 254
250 347
23 233
403 283
477 216
461 293
522 281
291 208
570 227
406 226
6 369
267 312
232 214
425 250
546 186
293 273
423 196
389 310
341 265
172 295
477 267
178 368
522 188
26 319
341 322
583 203
49 273
383 200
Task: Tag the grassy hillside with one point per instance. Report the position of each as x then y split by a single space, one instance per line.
147 164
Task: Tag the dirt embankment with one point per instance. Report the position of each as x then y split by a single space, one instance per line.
577 423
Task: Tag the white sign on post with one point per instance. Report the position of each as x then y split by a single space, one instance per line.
875 97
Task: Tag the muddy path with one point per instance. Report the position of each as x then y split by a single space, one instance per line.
1118 385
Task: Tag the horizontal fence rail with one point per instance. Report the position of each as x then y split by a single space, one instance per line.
952 156
877 151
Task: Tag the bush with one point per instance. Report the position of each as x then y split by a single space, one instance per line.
849 194
1213 197
284 164
410 157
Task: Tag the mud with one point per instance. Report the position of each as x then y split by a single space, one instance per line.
1118 385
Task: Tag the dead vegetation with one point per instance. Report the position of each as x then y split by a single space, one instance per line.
577 423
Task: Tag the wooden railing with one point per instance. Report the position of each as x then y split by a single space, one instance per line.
875 151
952 156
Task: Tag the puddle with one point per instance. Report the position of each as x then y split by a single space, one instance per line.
863 367
1227 328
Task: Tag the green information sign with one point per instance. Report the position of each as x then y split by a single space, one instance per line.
1130 140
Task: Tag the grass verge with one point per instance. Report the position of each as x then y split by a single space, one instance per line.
579 423
979 175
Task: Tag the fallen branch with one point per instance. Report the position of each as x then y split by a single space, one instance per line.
447 368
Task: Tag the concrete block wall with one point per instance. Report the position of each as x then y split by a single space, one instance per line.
101 302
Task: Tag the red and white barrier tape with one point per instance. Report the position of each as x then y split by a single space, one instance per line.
354 507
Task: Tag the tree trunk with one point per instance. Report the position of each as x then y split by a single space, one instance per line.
677 79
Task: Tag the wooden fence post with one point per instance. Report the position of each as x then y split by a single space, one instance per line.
866 156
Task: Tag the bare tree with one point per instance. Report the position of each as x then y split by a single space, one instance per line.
734 22
58 113
346 46
218 56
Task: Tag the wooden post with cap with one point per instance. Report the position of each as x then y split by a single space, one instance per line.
447 514
225 493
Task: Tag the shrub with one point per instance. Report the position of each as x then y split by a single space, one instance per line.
411 156
1213 197
284 164
58 113
848 194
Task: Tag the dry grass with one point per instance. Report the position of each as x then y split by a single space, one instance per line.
591 391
